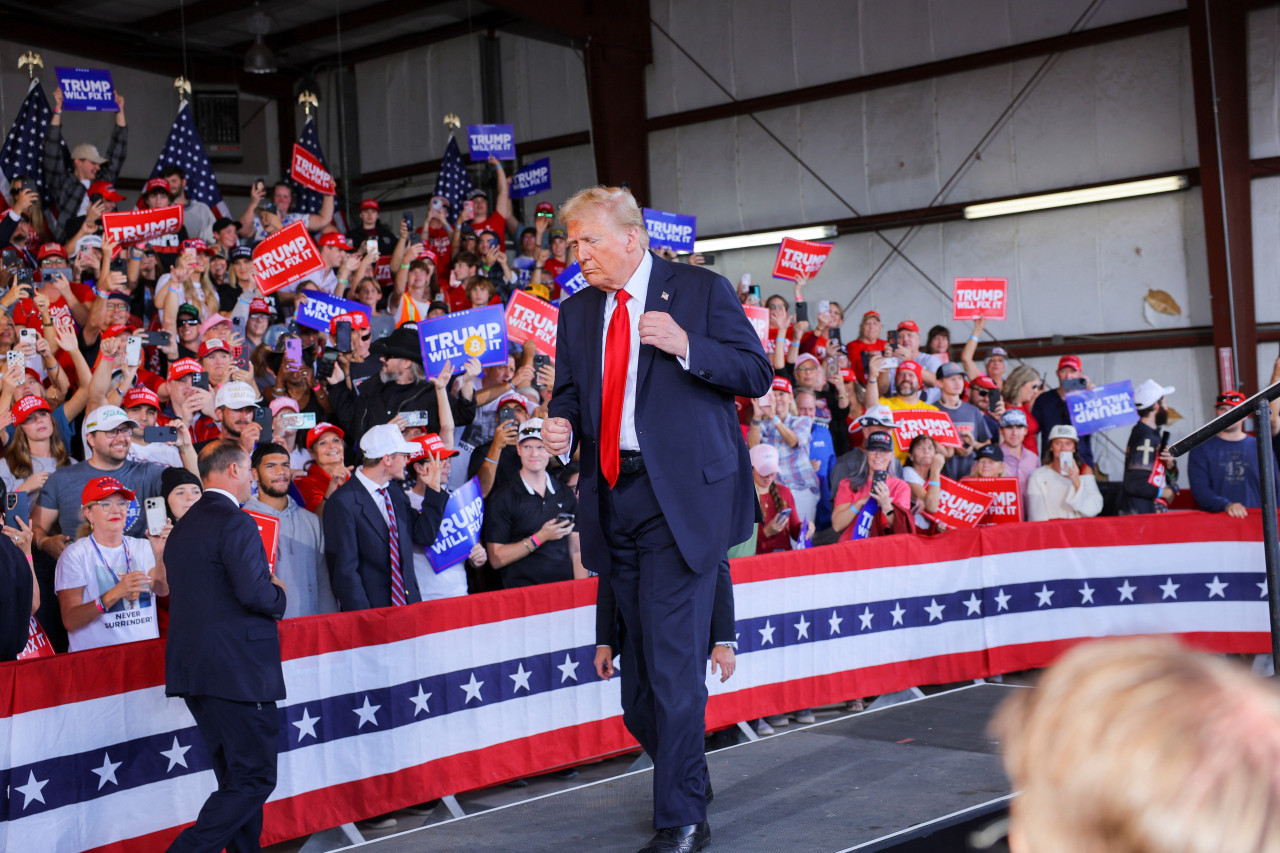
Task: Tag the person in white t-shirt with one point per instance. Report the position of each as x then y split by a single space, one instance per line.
450 581
107 582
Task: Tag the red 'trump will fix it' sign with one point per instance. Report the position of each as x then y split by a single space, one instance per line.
980 297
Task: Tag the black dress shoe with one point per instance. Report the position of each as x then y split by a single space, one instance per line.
680 839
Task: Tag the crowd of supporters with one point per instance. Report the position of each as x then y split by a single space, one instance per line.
122 362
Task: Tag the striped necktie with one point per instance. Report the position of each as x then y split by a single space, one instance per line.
397 576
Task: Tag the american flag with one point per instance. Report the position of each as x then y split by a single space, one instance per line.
309 201
23 150
453 182
185 149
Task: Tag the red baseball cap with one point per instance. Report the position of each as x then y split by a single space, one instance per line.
1072 361
985 381
781 383
259 306
545 207
370 204
357 319
34 374
875 314
213 345
515 397
909 326
913 367
428 254
28 406
156 184
184 367
333 238
197 245
53 250
106 190
320 429
114 331
1230 398
103 487
430 444
140 395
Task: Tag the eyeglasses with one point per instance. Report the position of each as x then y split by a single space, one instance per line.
982 392
113 504
368 336
122 430
189 322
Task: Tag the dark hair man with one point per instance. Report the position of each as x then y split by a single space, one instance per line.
222 655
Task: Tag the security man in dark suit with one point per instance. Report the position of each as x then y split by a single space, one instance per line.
370 529
223 651
648 362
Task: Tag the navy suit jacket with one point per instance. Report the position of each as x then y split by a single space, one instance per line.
357 543
686 421
223 607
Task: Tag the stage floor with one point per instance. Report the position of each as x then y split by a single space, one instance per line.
851 783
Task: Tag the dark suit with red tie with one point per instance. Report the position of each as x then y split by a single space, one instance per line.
658 535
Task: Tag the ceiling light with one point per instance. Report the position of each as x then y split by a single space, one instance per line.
763 238
1110 192
259 59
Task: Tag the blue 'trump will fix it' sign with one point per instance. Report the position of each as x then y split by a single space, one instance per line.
87 89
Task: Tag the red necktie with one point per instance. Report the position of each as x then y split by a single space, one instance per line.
617 352
397 576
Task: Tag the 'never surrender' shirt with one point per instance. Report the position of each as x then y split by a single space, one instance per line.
82 565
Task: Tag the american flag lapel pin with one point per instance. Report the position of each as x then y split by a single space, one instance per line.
666 295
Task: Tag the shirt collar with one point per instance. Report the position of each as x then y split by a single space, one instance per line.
529 489
369 484
637 287
229 496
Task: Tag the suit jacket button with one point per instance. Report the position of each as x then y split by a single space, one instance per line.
593 490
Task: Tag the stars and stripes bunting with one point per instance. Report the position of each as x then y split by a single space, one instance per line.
393 707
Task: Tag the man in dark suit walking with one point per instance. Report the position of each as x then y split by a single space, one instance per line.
223 651
648 362
370 529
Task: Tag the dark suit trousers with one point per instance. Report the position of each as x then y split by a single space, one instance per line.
242 742
666 611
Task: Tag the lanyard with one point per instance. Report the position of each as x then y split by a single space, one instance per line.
128 562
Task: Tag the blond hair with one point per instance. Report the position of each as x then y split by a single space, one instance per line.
619 203
1141 746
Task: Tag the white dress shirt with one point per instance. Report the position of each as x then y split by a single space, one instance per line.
637 287
375 492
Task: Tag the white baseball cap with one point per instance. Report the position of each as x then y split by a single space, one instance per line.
1149 393
236 395
107 418
384 440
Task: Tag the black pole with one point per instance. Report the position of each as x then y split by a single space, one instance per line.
1270 531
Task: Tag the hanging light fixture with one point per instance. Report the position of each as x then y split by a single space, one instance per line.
259 59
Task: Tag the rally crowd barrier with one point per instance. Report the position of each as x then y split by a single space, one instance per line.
392 707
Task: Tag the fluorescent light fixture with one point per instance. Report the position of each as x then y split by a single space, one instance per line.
763 238
1110 192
